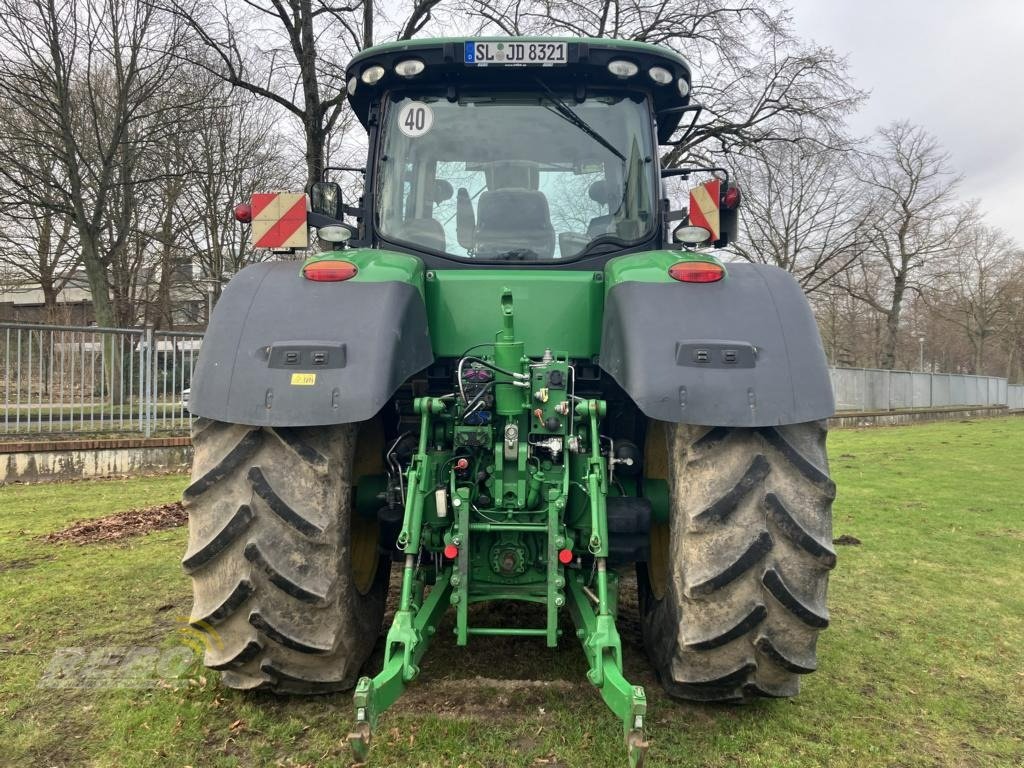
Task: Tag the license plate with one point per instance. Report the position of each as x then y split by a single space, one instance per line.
512 53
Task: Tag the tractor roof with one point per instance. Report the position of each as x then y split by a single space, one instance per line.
445 61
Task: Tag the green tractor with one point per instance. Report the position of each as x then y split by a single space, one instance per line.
513 376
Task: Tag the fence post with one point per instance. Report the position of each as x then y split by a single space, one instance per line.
147 398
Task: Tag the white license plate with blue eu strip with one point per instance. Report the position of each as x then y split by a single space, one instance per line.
508 53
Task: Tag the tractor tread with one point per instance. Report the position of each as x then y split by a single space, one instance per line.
278 578
272 579
302 680
799 666
724 506
224 538
234 458
799 461
292 439
743 599
758 614
241 592
750 556
279 506
289 638
235 658
724 688
792 530
778 588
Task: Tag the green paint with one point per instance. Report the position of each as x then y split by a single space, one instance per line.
506 511
554 310
377 266
652 266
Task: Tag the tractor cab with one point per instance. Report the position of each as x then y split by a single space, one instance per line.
527 150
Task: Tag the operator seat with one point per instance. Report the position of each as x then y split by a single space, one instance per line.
514 220
428 232
603 193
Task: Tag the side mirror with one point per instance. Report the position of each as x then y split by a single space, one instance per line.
325 199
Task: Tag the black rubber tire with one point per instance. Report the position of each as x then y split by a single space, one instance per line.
270 521
748 556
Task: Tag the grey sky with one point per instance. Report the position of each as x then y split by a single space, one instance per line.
955 67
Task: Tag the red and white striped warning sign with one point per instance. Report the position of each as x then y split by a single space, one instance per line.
704 201
279 220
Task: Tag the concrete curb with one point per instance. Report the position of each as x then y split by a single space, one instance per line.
44 461
40 461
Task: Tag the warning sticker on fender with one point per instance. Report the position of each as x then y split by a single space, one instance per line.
303 379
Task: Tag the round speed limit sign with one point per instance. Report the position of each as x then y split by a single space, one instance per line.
415 119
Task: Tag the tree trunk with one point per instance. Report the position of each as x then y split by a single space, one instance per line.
892 324
103 313
315 141
367 23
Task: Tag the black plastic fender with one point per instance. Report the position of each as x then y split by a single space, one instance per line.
285 351
742 352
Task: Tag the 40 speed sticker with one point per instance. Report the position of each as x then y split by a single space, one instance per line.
415 119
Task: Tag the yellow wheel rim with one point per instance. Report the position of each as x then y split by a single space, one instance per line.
365 533
656 468
657 561
365 537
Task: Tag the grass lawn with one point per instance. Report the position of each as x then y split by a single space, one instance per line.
923 664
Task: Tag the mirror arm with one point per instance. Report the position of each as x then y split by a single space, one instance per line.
349 168
685 172
696 109
318 220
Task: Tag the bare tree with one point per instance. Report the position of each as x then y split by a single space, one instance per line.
37 243
236 152
757 81
84 81
803 210
916 216
975 292
274 52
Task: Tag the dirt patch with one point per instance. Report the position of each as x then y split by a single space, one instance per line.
122 525
846 541
13 565
486 698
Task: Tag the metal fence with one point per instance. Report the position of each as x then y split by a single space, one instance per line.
84 380
72 379
1015 397
871 389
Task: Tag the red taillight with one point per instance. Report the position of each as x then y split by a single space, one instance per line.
565 556
731 198
329 270
451 551
696 272
243 213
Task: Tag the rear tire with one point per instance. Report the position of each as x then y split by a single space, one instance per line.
734 594
288 587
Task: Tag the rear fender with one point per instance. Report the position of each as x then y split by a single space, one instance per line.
285 351
742 352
